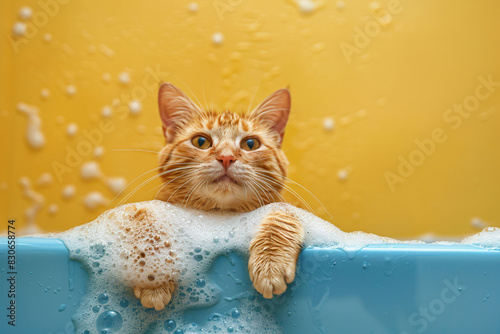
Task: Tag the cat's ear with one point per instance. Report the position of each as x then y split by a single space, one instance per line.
176 110
274 111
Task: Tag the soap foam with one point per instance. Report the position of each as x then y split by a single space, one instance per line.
149 243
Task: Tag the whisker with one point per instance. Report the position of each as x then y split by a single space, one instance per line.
298 184
168 200
157 152
149 180
254 94
131 183
166 184
289 189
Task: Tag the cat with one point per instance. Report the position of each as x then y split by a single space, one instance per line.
229 162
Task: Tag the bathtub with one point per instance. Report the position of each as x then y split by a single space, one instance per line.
388 288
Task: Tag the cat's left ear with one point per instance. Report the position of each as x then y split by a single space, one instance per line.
274 111
176 110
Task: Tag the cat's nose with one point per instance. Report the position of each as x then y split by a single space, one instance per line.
226 160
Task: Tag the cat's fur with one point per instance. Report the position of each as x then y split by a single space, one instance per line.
224 176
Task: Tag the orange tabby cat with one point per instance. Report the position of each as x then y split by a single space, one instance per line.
229 161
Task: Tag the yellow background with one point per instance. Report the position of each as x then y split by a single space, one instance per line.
393 90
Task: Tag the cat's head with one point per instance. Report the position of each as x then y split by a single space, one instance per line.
224 160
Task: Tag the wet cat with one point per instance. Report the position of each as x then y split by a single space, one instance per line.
229 162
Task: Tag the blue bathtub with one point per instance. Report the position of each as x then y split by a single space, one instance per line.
391 288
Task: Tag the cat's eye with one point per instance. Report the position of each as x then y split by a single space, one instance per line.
250 144
201 142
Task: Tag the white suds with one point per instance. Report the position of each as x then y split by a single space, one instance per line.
328 124
306 6
19 29
489 237
218 38
478 223
98 152
68 191
135 107
90 170
45 179
193 7
340 5
71 129
149 243
116 184
34 134
70 90
374 5
53 209
37 202
342 174
152 242
106 111
45 93
94 200
124 78
25 13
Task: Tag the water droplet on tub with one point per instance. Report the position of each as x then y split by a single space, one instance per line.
109 321
62 307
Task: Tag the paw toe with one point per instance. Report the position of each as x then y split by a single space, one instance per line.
155 298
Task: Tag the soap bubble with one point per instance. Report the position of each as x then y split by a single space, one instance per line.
110 321
103 298
169 325
235 313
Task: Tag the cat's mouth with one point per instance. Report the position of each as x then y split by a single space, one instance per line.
225 179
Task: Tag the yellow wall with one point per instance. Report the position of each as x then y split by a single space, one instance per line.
384 91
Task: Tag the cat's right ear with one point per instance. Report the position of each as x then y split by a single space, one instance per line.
176 110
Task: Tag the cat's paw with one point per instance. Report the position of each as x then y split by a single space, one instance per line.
274 252
270 275
157 297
